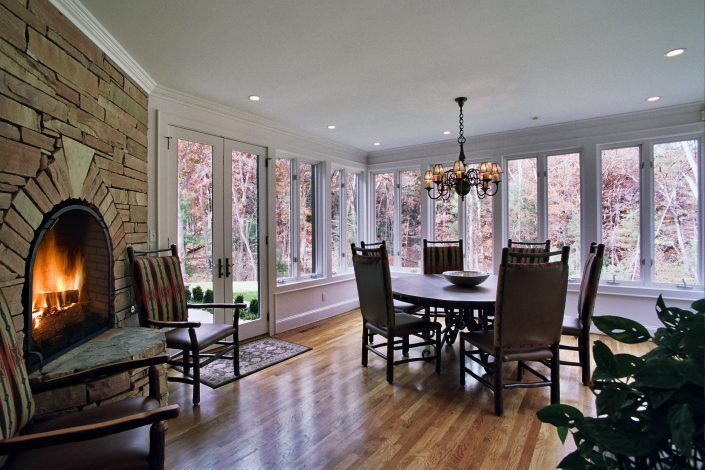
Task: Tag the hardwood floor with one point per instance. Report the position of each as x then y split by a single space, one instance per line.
323 410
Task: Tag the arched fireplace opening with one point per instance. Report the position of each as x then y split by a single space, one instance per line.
67 298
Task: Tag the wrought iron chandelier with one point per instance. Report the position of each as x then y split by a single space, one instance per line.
439 183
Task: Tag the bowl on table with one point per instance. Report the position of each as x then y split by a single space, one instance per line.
466 278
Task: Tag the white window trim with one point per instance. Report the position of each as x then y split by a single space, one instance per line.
345 264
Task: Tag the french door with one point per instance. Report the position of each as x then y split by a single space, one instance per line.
219 225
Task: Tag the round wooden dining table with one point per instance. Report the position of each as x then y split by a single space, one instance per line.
463 307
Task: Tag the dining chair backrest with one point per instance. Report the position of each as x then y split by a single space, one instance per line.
530 302
590 283
17 401
158 285
374 285
367 246
440 256
521 248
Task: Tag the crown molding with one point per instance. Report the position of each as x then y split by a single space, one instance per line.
333 149
91 27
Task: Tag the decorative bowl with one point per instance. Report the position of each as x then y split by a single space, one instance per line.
466 278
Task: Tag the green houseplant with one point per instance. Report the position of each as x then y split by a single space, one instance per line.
650 408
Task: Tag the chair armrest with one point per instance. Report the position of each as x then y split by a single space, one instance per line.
239 305
90 431
96 373
174 324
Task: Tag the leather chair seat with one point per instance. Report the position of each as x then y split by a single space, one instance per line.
207 334
132 446
406 324
571 326
484 341
406 307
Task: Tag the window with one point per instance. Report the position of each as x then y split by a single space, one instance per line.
446 215
549 207
343 217
621 225
478 231
651 213
295 207
397 216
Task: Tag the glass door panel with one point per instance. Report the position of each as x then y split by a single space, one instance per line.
196 243
244 266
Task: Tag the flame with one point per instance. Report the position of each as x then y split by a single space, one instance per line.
57 278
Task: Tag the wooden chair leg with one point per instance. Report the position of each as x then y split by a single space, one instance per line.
405 346
236 352
584 353
520 370
462 361
438 349
365 342
195 354
157 443
498 385
390 358
185 361
555 375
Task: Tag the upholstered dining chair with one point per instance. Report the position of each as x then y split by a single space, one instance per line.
521 248
129 433
161 301
527 325
374 289
399 305
439 256
578 325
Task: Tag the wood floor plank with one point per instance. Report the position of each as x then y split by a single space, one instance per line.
323 410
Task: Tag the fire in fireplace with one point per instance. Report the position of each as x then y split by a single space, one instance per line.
68 296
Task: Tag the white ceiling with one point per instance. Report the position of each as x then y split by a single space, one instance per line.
388 71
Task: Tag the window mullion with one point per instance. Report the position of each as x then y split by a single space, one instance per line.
647 213
397 218
542 197
294 217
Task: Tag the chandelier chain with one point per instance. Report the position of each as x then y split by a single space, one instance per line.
461 137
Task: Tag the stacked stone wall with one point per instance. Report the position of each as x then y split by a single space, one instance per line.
72 126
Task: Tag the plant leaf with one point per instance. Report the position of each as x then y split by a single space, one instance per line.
606 367
627 364
698 305
562 433
560 415
666 315
691 371
682 426
611 399
573 461
658 397
629 443
622 329
659 373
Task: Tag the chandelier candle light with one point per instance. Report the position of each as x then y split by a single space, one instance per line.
484 179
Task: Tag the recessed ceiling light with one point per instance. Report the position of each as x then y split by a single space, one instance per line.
651 99
331 127
675 52
376 144
253 98
446 132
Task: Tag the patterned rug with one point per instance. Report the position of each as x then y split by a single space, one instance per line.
254 356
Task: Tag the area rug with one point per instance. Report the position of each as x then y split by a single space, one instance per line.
254 356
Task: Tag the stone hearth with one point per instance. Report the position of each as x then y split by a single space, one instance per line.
117 344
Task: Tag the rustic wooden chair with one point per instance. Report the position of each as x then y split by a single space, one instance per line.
439 256
527 325
578 325
161 300
399 306
130 432
528 248
374 289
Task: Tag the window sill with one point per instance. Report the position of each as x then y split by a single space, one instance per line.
302 284
668 292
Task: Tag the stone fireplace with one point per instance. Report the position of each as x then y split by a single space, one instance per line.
73 133
68 293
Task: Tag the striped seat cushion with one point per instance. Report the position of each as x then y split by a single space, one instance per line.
17 401
160 288
437 259
527 259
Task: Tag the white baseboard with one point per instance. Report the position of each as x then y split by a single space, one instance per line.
311 316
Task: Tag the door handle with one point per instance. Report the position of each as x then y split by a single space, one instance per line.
227 267
220 268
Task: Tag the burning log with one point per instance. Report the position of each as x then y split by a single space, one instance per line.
56 301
